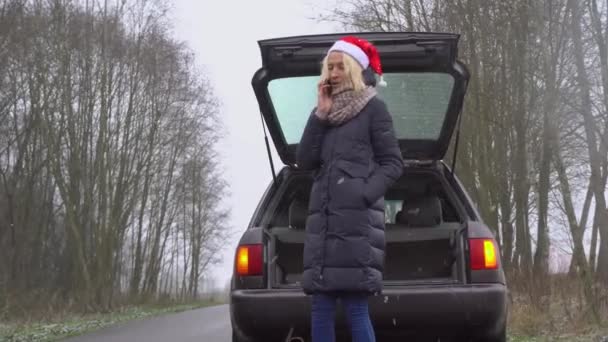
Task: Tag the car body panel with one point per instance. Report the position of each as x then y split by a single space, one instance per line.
464 310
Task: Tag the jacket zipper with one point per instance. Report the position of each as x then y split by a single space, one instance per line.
327 193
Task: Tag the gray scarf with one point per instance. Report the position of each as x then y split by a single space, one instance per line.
347 103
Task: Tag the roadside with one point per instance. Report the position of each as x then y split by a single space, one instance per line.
589 333
556 311
73 325
593 337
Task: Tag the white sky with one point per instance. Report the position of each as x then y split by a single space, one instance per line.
224 36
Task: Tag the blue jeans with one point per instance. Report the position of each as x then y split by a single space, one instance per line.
356 308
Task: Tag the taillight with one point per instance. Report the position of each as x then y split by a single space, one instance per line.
483 254
249 260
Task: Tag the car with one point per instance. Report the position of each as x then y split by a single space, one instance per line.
443 276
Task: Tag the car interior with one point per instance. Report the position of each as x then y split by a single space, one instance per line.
419 219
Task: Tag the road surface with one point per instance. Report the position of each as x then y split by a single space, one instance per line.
210 324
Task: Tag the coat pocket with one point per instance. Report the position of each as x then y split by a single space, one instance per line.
354 170
349 184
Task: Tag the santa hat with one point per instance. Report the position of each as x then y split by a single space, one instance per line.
362 51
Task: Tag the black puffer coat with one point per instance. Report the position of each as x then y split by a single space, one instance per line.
354 164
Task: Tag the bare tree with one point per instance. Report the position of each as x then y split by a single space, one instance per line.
595 159
102 113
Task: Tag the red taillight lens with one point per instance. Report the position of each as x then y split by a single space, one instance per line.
484 254
249 260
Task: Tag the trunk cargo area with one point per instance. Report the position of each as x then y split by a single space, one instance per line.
413 255
424 235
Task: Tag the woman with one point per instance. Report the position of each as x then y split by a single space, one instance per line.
350 142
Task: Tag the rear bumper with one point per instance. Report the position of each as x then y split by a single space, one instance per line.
463 310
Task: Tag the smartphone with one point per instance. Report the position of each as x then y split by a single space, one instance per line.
328 88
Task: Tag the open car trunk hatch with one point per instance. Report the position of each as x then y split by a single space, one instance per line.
425 92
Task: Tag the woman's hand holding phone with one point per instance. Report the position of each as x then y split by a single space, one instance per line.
324 100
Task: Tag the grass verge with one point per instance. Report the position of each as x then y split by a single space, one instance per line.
557 311
73 325
590 337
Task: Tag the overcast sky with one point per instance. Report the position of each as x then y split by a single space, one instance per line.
224 36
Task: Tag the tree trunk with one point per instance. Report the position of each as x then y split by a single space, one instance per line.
601 38
541 256
593 248
578 237
577 233
523 247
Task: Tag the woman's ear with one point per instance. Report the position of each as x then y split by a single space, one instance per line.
369 77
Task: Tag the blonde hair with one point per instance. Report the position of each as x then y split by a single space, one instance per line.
352 69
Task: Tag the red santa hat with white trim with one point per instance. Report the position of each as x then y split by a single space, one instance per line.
362 51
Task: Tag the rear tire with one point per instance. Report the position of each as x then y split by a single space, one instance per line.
236 338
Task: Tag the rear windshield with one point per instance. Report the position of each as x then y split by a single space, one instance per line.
417 101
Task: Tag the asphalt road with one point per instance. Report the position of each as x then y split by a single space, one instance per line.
208 324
